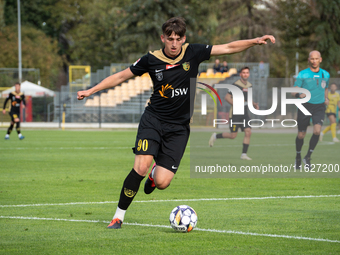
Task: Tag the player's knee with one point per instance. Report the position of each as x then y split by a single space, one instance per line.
142 169
162 185
301 135
316 132
233 135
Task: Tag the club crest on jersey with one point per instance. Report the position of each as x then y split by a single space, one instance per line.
186 66
159 76
323 84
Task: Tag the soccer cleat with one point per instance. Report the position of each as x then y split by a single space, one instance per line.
336 140
21 137
245 157
320 137
306 161
149 185
212 140
297 165
115 224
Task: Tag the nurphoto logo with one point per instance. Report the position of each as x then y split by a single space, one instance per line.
239 104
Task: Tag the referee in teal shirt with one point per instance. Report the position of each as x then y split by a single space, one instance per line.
316 81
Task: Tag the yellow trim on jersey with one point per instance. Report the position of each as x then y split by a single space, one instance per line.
333 102
17 94
160 55
242 85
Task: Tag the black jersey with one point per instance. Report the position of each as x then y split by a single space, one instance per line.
16 100
170 100
244 87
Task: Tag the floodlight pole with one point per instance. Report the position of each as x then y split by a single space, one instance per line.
297 58
19 42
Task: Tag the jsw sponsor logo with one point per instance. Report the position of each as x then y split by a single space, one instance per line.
179 92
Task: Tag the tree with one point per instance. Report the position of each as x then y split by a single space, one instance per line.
2 17
92 41
305 26
245 19
325 32
139 29
38 51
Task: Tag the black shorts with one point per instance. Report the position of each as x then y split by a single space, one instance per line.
14 115
330 114
165 141
318 115
238 121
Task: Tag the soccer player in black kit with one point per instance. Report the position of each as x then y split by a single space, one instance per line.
16 98
164 129
243 84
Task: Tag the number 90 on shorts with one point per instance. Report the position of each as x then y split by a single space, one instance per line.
142 145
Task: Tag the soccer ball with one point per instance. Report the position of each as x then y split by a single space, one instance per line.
183 218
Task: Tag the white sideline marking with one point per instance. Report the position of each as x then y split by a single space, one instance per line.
164 226
175 200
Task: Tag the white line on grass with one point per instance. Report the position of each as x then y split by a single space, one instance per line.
164 226
176 200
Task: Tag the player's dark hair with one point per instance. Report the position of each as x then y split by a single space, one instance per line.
244 68
17 83
175 24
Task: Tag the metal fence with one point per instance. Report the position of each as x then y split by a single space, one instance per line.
9 76
76 111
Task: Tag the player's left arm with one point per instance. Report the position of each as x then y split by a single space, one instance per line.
241 45
23 101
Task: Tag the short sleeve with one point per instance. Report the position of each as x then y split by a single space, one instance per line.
202 51
140 66
298 82
327 80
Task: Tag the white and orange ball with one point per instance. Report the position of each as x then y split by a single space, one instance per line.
183 218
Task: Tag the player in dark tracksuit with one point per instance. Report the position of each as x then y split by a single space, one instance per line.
16 98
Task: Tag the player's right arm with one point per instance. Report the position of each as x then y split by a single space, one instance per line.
4 108
107 83
229 98
298 83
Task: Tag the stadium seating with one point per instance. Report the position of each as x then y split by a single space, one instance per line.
210 74
122 93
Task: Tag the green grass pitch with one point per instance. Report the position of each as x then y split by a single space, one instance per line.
62 176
